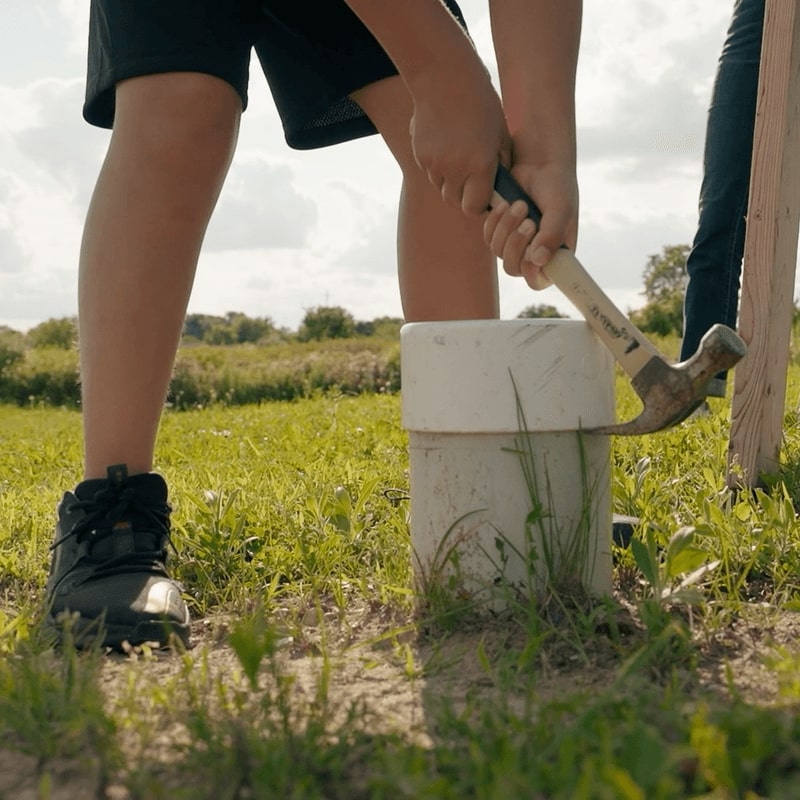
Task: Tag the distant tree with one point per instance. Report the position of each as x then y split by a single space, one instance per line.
250 329
365 328
387 327
60 333
326 322
12 347
665 274
541 311
219 333
9 334
664 288
234 328
381 327
195 326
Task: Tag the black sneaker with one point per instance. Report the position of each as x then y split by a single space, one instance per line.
108 567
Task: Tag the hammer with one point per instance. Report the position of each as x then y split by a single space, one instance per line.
669 392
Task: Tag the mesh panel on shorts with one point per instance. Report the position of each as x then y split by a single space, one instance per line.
344 110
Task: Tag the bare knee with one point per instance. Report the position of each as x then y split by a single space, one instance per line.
178 117
389 105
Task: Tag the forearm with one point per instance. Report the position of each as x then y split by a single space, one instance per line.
536 42
420 36
458 130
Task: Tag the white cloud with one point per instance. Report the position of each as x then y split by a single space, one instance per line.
76 15
12 258
18 112
283 284
56 143
373 253
645 81
260 208
295 230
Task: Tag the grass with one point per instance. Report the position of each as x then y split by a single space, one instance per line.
317 674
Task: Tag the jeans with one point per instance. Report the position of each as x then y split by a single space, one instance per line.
714 264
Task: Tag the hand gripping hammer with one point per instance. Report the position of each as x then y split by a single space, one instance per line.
669 391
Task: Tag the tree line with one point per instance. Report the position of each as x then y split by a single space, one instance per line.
235 327
662 314
235 358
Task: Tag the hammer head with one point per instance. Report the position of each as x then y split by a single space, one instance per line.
670 392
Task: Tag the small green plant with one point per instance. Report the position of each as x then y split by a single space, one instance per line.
674 573
49 704
560 561
784 662
311 677
442 598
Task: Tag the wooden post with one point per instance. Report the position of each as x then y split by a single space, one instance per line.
770 253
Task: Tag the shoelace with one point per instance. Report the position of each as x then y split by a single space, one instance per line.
111 504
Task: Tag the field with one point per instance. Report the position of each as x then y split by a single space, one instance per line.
317 672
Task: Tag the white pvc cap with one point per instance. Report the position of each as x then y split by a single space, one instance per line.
457 376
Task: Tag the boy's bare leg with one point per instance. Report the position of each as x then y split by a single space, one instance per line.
445 269
172 144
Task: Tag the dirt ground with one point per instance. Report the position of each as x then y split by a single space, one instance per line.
370 664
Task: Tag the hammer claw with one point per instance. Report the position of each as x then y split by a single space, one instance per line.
646 422
671 392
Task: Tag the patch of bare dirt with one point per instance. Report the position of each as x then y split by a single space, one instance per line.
380 662
734 661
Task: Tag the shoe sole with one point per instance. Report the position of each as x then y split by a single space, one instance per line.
83 633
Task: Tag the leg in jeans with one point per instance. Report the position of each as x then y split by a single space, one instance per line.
445 269
714 263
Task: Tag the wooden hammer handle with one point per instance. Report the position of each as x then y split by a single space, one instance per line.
626 342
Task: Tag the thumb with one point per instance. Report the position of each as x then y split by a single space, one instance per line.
535 276
506 153
555 231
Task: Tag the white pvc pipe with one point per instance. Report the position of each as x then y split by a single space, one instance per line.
464 420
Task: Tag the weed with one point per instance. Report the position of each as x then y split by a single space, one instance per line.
293 546
50 707
442 598
561 562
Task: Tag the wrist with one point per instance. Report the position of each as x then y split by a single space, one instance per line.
556 151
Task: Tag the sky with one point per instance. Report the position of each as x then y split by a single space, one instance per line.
295 230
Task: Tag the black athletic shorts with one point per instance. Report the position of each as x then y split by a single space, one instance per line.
314 55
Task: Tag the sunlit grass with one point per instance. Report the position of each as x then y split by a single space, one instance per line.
292 543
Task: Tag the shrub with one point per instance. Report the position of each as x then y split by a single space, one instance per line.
207 375
59 333
46 376
12 348
326 322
